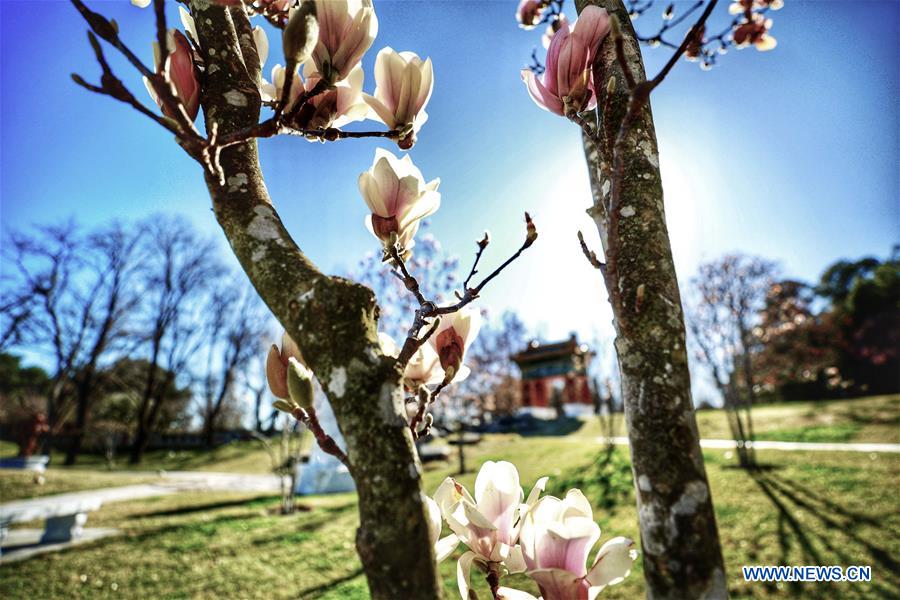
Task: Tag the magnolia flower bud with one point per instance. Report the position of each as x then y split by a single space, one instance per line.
452 338
483 243
283 406
300 34
531 233
299 383
277 366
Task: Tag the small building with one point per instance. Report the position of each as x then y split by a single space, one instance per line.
555 374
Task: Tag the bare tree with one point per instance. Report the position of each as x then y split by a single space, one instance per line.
111 298
76 288
177 275
237 324
493 371
730 295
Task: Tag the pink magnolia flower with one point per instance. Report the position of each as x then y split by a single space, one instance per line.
552 28
529 13
422 369
398 198
335 107
567 83
487 524
555 540
403 85
454 335
180 72
347 29
277 363
755 31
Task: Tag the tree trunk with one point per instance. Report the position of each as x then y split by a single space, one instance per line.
81 414
333 321
681 553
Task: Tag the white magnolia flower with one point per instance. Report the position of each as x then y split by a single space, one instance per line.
403 85
443 547
347 29
453 337
422 369
335 107
487 524
556 538
398 198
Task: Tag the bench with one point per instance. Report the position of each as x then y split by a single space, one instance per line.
65 515
429 453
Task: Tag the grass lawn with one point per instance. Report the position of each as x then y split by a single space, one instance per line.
868 419
16 485
807 508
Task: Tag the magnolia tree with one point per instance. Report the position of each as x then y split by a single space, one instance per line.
594 77
379 389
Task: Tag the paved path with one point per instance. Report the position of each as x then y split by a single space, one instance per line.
170 482
24 543
788 446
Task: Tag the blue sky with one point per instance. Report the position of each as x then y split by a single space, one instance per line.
791 154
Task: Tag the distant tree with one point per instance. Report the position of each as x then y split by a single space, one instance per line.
254 381
177 278
799 347
865 302
22 389
493 372
121 386
435 270
729 295
236 324
79 292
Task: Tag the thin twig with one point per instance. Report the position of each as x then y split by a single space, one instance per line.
590 254
482 244
325 441
104 29
408 280
112 86
162 32
694 31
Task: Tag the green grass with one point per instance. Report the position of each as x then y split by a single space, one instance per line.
806 508
809 508
869 419
817 433
16 484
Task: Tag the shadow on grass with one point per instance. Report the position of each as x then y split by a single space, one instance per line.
186 510
799 507
556 427
607 481
318 590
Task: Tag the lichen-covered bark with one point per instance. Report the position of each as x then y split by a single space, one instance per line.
681 552
333 321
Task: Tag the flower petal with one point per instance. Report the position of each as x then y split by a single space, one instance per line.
613 562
